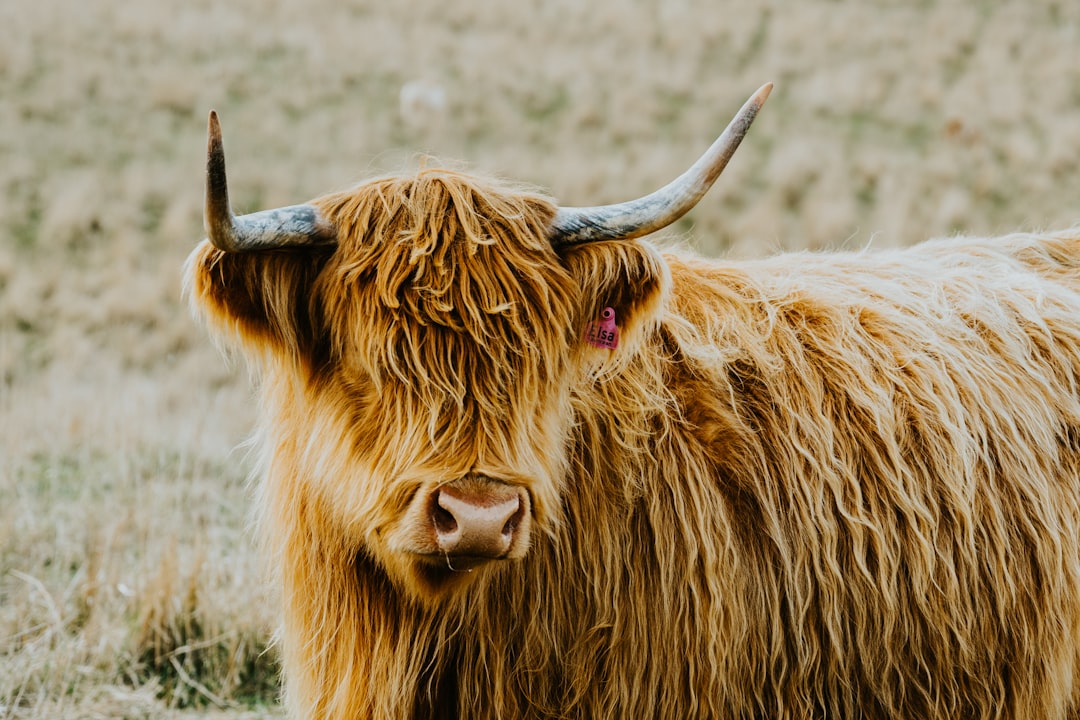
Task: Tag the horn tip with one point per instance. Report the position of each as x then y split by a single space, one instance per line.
763 93
213 126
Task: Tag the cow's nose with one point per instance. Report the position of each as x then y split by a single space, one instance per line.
481 526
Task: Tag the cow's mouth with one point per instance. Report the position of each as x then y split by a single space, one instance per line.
438 571
455 563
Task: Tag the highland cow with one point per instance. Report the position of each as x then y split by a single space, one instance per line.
517 462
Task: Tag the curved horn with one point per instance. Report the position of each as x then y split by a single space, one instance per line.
296 225
640 217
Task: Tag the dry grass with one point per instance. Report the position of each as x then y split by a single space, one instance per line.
127 582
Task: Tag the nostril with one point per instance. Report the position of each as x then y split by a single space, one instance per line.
515 520
444 520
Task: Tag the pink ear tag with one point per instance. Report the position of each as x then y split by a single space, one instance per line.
603 333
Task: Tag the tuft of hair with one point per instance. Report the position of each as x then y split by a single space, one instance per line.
467 261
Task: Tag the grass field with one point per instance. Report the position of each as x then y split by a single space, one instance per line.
128 585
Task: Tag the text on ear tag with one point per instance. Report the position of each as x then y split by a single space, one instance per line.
603 332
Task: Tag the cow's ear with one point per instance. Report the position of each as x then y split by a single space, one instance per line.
255 302
628 277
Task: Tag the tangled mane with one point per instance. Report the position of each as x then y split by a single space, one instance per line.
898 432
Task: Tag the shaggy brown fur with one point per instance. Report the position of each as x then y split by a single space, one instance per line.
842 485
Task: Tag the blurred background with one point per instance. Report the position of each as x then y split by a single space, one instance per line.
128 584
